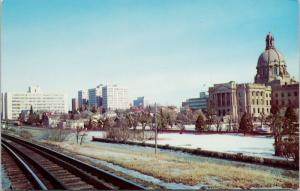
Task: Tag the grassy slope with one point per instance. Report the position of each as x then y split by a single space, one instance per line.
181 170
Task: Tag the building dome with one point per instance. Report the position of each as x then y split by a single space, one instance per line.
270 57
271 65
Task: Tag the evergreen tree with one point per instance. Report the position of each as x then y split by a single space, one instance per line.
290 142
246 125
200 122
31 110
275 109
290 114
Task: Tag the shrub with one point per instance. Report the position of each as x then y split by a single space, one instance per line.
13 130
58 135
25 134
124 134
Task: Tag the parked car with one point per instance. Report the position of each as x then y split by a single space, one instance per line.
263 129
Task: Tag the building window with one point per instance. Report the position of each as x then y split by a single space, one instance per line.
289 94
282 94
263 110
267 94
223 99
228 99
257 93
253 101
253 110
270 102
252 93
219 100
295 93
261 93
258 110
276 95
262 101
257 102
267 110
276 101
267 102
224 112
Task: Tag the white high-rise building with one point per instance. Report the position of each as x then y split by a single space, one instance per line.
95 96
82 97
14 103
115 97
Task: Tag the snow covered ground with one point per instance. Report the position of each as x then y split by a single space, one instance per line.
231 143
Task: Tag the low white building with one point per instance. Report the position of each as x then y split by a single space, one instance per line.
73 124
14 103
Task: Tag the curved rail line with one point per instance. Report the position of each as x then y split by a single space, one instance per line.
59 171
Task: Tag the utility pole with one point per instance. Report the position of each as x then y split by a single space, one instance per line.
155 127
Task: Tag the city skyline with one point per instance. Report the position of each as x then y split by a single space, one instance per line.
165 51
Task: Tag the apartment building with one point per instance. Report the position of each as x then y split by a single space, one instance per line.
14 103
115 97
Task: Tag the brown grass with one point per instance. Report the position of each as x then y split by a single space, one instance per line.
180 170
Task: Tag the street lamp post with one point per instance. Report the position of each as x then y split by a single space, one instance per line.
155 120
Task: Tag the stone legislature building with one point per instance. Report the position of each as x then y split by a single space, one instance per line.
272 85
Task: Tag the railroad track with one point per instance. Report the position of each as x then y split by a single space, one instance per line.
46 169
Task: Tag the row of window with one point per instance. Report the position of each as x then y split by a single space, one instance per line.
223 112
260 110
268 102
260 93
282 102
288 94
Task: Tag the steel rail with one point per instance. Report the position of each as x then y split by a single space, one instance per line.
36 181
118 182
49 176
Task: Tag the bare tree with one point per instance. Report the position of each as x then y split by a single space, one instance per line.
211 114
80 134
145 119
217 120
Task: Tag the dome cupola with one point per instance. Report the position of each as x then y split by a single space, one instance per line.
271 66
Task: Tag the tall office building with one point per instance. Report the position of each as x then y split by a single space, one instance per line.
14 103
140 102
115 97
74 104
82 98
95 96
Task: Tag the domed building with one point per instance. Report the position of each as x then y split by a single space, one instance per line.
273 86
271 70
271 66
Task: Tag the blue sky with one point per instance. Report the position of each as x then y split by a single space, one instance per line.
166 50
